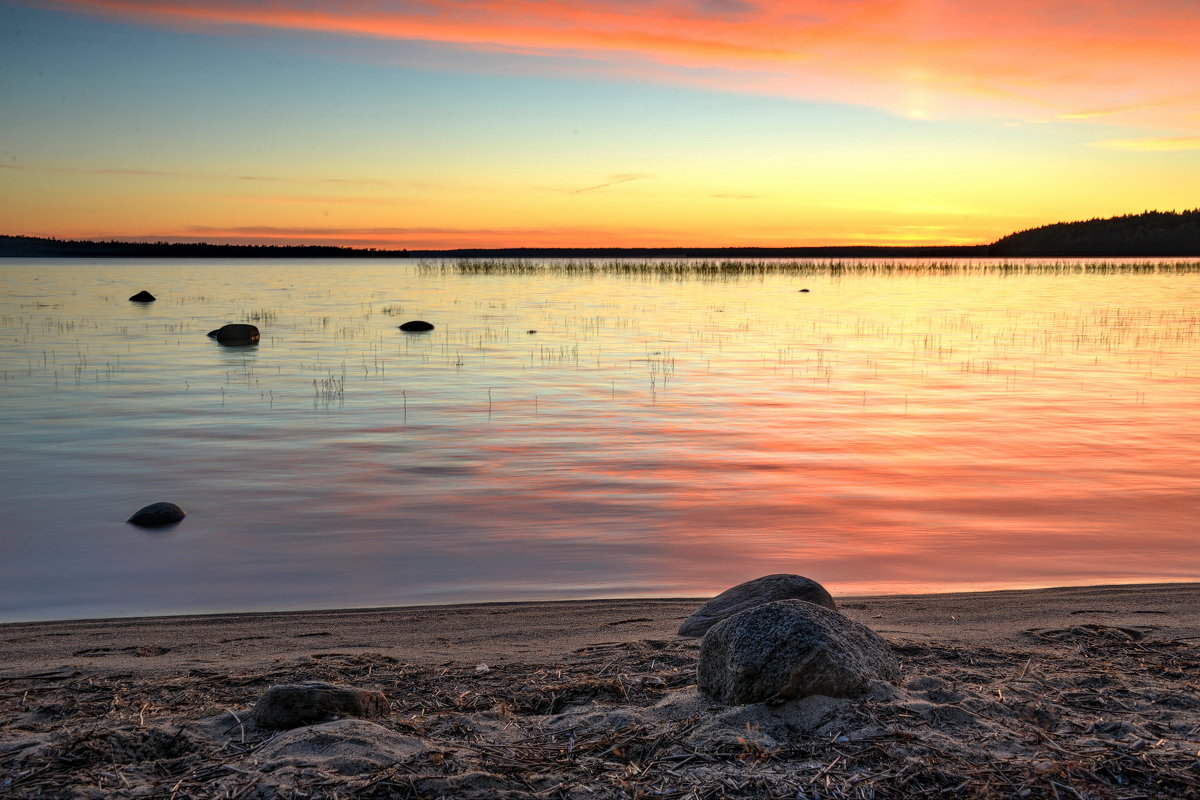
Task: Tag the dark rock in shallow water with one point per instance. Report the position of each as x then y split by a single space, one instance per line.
416 325
235 334
754 593
307 703
790 649
143 297
157 515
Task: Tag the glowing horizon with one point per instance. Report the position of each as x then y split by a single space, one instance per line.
439 124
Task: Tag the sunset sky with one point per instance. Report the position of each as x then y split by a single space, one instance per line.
486 123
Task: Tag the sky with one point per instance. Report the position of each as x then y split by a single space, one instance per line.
592 123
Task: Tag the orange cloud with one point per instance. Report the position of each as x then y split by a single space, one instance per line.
1024 59
434 237
412 238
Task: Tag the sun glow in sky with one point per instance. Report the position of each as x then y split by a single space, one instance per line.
489 123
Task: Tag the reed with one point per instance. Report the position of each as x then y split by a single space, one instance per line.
329 390
684 268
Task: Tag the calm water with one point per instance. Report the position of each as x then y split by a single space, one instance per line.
882 432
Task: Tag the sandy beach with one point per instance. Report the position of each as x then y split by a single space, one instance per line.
1089 692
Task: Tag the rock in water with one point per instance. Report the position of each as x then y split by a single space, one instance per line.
755 593
143 297
157 515
308 703
416 326
235 334
790 649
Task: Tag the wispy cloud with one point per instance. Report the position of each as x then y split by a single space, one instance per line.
416 237
204 176
1150 144
1023 59
613 180
308 200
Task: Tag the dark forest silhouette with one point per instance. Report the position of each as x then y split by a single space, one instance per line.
1151 233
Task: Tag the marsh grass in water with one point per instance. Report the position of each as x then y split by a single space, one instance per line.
754 267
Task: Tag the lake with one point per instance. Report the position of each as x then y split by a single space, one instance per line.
573 433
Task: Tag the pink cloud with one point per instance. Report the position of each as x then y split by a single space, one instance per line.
1023 59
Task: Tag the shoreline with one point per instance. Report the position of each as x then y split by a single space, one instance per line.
1020 693
476 604
916 611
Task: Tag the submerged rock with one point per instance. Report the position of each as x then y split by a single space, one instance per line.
307 703
790 649
754 593
157 515
143 297
235 334
416 326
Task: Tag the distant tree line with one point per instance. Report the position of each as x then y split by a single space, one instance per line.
33 247
1152 233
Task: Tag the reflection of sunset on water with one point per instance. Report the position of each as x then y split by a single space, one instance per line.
885 431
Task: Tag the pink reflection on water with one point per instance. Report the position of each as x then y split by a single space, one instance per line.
655 439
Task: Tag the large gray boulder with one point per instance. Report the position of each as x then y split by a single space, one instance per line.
236 334
790 649
754 593
308 703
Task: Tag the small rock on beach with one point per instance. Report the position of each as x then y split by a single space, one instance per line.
416 326
143 297
790 649
308 703
754 593
157 515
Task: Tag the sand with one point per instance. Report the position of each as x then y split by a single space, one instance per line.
1087 692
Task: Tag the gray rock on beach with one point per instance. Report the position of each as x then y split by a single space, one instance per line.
754 593
790 649
157 515
143 297
235 334
308 703
344 747
416 326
